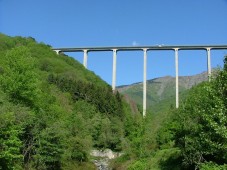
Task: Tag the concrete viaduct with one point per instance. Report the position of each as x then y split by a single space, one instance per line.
85 50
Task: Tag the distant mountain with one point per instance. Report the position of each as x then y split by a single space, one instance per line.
161 89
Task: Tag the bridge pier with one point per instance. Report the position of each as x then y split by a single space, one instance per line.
176 69
85 58
57 51
144 81
114 69
208 64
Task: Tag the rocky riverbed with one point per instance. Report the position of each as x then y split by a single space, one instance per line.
102 158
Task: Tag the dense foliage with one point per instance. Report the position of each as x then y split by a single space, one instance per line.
191 137
53 111
197 131
200 129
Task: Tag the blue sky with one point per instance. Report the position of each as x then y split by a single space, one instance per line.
79 23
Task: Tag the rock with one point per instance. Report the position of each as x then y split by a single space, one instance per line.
102 164
108 153
103 158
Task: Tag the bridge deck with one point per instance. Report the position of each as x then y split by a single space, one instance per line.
139 48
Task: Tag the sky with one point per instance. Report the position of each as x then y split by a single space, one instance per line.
94 23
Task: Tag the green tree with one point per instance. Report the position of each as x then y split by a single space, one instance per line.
200 126
10 143
19 78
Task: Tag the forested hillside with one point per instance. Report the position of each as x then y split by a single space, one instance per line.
53 111
191 137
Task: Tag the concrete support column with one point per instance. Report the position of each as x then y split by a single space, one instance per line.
177 86
114 69
208 64
57 51
144 82
85 58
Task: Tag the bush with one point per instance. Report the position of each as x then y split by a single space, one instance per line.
212 166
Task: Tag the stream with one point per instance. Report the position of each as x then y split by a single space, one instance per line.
102 164
102 158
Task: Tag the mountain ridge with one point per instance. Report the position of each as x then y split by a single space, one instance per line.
161 88
157 78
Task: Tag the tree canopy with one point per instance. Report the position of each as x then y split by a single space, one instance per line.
52 110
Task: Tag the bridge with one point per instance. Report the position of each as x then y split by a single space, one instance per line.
145 49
